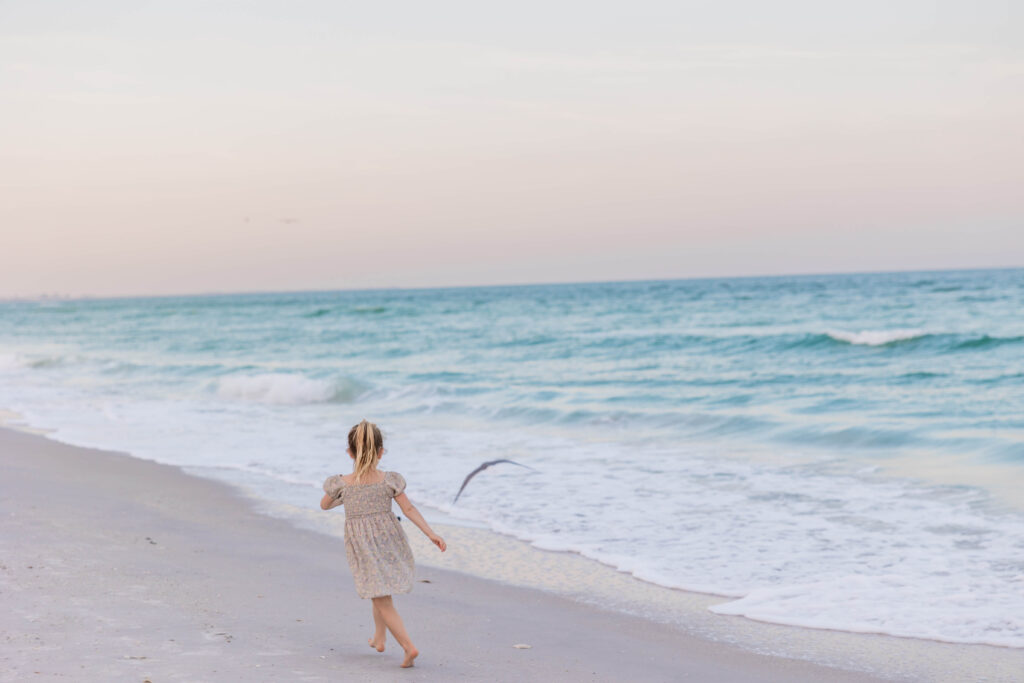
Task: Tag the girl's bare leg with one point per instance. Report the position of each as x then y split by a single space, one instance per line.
394 623
380 634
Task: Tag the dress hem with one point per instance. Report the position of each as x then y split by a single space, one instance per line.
384 595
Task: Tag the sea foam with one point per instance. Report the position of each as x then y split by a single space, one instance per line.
876 337
798 545
286 389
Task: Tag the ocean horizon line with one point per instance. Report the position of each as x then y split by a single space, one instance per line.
59 297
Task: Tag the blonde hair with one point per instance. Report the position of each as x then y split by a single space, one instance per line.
366 444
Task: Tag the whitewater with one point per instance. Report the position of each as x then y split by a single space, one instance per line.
841 452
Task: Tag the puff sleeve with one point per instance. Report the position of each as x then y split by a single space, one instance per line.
395 482
334 486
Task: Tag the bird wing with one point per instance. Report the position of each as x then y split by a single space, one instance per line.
480 469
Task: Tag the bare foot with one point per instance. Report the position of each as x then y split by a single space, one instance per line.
377 645
410 656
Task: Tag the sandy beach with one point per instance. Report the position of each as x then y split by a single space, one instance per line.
115 568
694 329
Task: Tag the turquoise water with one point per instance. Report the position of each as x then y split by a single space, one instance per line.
824 448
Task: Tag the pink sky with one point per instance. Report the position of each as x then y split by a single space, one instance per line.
210 147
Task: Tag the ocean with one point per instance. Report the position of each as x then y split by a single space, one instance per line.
829 451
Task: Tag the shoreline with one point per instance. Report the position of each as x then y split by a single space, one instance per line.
118 568
499 560
487 554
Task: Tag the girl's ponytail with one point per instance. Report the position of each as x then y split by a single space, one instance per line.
365 442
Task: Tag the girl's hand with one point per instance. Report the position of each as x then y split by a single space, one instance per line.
438 541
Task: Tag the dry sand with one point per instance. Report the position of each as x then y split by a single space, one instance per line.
119 569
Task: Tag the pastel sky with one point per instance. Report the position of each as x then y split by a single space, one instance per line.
197 145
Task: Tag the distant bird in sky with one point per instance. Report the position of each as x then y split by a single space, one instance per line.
481 469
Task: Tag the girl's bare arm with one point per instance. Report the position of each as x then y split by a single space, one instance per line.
328 502
413 514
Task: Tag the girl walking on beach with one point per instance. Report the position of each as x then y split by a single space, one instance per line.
375 545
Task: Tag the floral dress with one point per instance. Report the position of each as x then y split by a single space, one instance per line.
376 546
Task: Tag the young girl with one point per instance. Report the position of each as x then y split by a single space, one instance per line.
376 546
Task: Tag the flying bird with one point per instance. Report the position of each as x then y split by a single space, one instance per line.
480 469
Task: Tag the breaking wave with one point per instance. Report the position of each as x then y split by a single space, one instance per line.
288 389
